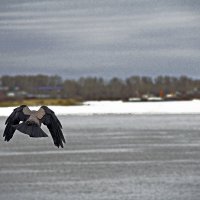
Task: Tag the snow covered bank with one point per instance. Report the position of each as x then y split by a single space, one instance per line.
119 107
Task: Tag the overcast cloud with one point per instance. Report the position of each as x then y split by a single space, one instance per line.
100 37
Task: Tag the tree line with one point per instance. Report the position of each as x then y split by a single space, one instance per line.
97 88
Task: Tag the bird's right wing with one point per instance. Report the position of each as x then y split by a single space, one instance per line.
20 113
53 124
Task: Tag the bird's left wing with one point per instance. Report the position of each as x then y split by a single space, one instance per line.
20 113
53 124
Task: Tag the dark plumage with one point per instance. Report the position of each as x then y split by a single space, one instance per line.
31 124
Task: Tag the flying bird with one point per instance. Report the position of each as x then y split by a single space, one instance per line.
31 121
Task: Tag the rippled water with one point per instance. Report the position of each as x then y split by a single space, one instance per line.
119 157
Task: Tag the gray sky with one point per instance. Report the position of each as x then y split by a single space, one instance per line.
100 37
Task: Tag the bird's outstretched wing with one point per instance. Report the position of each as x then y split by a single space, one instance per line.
20 113
53 124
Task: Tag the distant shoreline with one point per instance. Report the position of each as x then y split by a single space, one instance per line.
74 102
38 102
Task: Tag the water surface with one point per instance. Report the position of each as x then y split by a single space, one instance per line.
140 157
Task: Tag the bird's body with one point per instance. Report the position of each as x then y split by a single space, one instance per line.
31 124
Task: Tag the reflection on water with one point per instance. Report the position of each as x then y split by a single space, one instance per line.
106 157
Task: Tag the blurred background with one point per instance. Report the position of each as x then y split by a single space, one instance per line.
43 89
96 50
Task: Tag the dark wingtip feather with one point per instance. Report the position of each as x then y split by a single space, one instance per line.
54 126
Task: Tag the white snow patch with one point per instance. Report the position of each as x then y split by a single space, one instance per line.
119 107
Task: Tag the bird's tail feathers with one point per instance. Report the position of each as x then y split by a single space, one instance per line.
31 130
